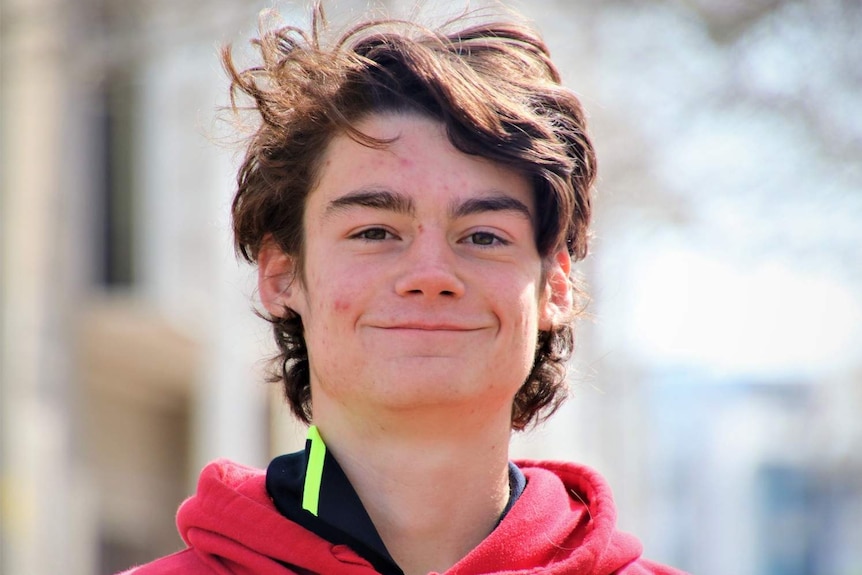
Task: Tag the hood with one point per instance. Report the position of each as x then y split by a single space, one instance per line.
232 523
563 523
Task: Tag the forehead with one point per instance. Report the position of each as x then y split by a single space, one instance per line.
416 160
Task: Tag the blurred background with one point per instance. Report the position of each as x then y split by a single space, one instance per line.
718 378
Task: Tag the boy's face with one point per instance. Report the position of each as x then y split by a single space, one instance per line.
422 285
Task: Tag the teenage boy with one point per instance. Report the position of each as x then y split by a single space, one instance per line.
413 200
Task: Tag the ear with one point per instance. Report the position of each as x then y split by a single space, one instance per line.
557 298
276 272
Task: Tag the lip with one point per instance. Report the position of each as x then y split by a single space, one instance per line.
427 327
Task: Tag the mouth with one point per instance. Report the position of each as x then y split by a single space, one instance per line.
429 326
411 327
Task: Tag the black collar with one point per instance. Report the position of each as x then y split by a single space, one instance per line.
310 488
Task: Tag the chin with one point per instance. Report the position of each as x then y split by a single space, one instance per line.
442 391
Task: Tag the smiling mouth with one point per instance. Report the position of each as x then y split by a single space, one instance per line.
429 327
432 329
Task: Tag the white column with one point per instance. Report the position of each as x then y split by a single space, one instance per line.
42 498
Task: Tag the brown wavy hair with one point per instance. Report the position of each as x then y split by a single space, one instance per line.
491 84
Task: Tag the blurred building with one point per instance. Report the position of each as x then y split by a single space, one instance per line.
130 354
129 344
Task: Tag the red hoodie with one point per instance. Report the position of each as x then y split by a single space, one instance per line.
564 523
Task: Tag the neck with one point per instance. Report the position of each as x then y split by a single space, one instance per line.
433 487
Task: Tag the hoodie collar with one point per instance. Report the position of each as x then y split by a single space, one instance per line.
310 488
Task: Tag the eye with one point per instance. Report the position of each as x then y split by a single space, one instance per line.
373 234
485 239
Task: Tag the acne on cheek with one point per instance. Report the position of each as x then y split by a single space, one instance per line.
341 305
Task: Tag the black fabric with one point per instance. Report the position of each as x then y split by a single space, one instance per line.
517 483
341 517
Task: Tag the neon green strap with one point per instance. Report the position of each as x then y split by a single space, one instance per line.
314 472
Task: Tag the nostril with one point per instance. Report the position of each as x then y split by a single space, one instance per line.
428 277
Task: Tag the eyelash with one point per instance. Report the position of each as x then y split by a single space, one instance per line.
472 238
363 235
495 239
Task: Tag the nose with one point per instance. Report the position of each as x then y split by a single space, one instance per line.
429 268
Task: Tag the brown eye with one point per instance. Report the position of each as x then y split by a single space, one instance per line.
484 239
375 234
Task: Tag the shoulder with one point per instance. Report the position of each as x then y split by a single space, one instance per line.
224 487
189 562
580 497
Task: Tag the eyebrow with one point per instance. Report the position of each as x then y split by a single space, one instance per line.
496 203
394 202
373 198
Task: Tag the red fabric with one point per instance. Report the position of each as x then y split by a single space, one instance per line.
563 524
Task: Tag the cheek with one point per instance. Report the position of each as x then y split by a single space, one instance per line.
334 299
520 309
531 299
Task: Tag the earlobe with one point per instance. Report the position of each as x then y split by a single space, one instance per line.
275 277
558 299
